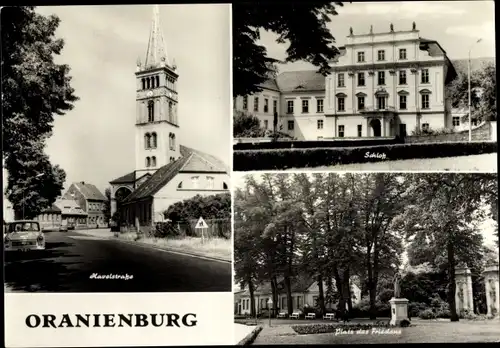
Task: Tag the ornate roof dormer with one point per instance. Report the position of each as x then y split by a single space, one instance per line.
156 55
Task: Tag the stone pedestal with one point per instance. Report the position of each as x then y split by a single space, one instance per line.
399 310
463 291
491 283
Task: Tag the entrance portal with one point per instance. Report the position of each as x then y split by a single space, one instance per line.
376 127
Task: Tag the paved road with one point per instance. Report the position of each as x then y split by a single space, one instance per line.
70 259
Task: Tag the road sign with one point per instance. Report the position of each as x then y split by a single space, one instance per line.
270 301
201 223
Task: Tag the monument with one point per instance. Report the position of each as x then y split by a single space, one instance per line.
399 306
491 283
463 292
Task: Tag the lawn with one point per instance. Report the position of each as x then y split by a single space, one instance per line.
483 163
421 331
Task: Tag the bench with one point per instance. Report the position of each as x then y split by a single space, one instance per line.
295 315
282 315
311 316
329 316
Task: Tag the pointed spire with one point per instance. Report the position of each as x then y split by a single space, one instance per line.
156 54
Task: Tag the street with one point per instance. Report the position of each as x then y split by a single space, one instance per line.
76 263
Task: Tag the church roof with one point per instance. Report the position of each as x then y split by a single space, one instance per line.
89 191
190 161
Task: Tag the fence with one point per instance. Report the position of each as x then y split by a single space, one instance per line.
217 228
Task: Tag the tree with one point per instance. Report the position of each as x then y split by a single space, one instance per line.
107 204
488 83
34 88
246 125
302 25
33 182
210 207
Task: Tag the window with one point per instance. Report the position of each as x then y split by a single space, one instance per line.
360 129
245 103
224 186
340 80
341 131
266 124
474 122
153 141
194 181
305 106
425 127
402 53
319 106
275 106
151 111
147 139
425 76
425 101
170 110
148 162
157 81
361 57
299 301
290 125
148 83
256 104
320 124
210 182
180 185
266 105
381 55
289 107
171 141
143 83
456 121
402 77
172 159
361 103
341 104
153 161
361 79
381 77
402 102
381 103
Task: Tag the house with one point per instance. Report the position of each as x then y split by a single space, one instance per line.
305 292
90 200
165 171
50 218
381 84
72 215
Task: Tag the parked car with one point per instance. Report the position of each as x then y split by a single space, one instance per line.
24 235
64 226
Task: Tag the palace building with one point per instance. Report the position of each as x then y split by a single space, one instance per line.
380 85
165 171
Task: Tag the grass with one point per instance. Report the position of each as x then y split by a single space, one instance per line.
421 331
214 247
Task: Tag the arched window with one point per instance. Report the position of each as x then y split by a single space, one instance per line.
173 141
153 141
148 83
170 141
180 185
148 162
143 83
224 186
170 115
153 161
157 81
147 138
151 111
172 159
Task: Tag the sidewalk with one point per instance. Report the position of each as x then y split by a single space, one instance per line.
272 335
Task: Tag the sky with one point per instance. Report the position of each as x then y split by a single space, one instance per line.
456 25
95 142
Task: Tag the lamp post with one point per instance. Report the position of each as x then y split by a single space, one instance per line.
36 176
270 305
468 70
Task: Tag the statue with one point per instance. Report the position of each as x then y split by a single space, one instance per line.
371 29
397 288
414 26
392 27
350 31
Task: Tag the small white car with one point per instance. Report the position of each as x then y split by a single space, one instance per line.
24 235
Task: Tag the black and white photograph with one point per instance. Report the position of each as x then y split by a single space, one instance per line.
116 148
394 86
356 258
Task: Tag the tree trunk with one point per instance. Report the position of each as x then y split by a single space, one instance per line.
273 294
339 287
321 297
372 288
451 282
252 297
289 300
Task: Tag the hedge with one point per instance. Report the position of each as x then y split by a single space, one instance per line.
309 144
276 159
328 328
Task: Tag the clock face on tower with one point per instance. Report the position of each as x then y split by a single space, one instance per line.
150 94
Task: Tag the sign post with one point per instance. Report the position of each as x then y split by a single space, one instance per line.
270 305
201 224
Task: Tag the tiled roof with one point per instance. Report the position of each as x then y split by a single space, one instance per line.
89 191
158 180
69 207
127 178
297 81
270 84
202 162
52 209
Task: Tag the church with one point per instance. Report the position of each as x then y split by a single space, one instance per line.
165 171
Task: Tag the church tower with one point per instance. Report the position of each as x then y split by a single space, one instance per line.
157 124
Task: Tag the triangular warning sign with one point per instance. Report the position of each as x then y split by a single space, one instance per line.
201 223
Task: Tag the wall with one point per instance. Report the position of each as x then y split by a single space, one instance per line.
261 114
305 123
78 197
480 133
95 213
49 221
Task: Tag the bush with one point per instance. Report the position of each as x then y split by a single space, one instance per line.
276 159
467 314
404 323
328 328
362 310
427 314
414 308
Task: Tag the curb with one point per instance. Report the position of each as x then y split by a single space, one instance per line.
248 340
